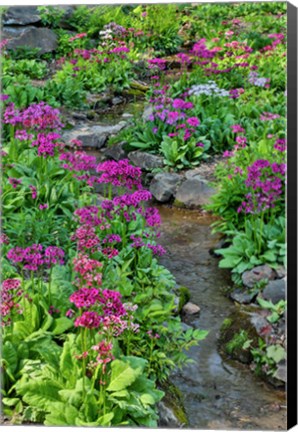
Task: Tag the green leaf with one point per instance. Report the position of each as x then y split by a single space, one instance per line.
10 401
61 415
40 393
276 353
122 376
147 399
200 334
61 325
10 357
67 366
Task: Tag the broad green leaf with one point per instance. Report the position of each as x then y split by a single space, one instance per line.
9 355
40 393
122 375
61 325
276 353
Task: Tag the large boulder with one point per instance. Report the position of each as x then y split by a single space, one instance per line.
163 186
275 290
146 161
21 15
94 136
31 37
263 272
193 193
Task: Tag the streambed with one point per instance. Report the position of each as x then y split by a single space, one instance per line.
218 393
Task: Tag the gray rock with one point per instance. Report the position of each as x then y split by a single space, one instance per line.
251 277
147 112
242 297
79 116
127 115
193 193
21 15
30 37
275 290
259 322
191 309
191 174
117 100
116 151
145 160
167 416
280 271
163 186
281 372
95 136
186 327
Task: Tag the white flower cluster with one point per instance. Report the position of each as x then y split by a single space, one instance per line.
209 89
254 79
106 34
110 30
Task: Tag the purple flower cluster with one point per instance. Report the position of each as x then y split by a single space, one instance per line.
34 258
266 116
14 182
157 62
46 143
36 116
10 297
235 93
23 135
120 173
280 145
201 51
265 182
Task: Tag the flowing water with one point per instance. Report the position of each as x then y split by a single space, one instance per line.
218 393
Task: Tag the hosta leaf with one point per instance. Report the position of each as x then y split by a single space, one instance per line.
10 357
40 393
61 414
67 364
104 420
122 375
61 325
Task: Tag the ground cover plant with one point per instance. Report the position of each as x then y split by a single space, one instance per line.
91 328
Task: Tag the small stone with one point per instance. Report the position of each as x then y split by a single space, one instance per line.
146 161
258 322
251 277
163 186
116 151
275 290
79 116
191 309
185 327
280 272
148 111
127 115
242 297
117 100
281 372
193 193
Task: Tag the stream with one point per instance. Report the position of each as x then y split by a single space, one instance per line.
218 393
